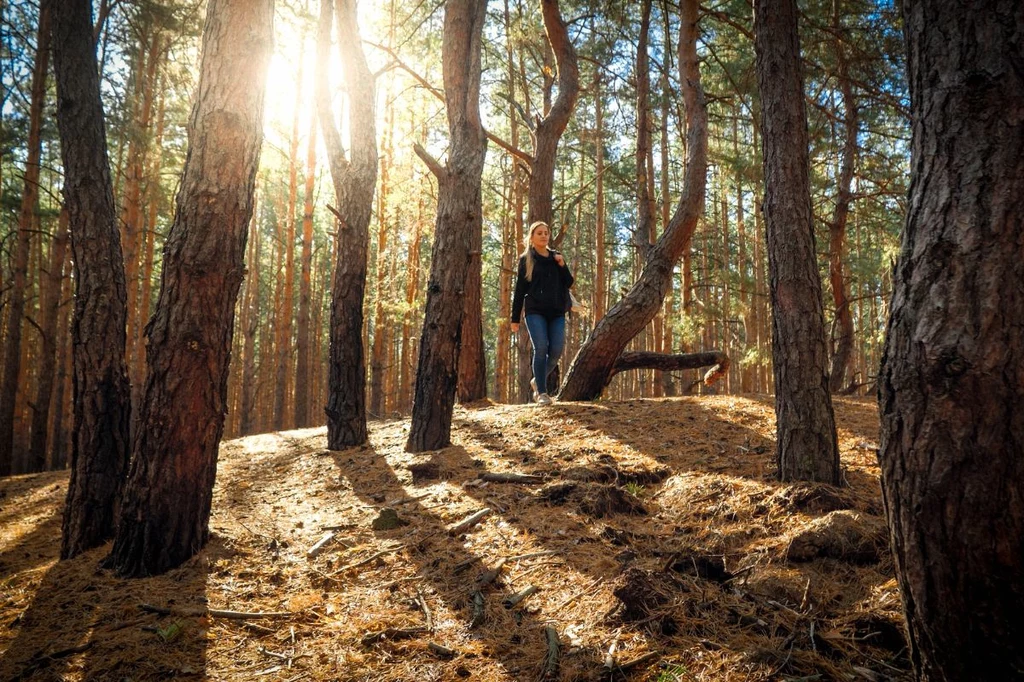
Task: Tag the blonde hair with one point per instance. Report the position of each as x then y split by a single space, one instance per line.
527 253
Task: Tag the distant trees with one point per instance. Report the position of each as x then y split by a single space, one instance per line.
166 508
354 179
102 396
807 447
459 213
951 390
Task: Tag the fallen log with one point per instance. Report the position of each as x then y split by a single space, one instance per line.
551 658
214 613
495 477
674 362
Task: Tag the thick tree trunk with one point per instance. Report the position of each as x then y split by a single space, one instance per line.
49 305
837 229
952 385
166 508
354 181
592 367
101 393
26 217
459 216
807 448
600 287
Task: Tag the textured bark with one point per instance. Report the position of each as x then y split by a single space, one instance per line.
550 128
101 393
26 218
303 370
49 305
673 362
643 237
600 286
807 448
592 367
250 323
166 509
952 384
354 181
837 228
459 215
411 292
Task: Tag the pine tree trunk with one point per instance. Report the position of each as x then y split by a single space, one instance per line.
951 391
304 390
101 392
26 216
354 181
250 324
285 370
600 276
166 509
49 303
592 368
837 228
459 215
807 448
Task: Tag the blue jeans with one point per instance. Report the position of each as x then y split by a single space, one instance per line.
548 337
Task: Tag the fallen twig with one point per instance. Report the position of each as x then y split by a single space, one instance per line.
426 610
478 610
488 577
319 546
551 658
469 521
534 555
442 651
367 560
636 662
519 596
496 477
392 634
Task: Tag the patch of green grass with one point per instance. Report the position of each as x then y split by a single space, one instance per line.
634 489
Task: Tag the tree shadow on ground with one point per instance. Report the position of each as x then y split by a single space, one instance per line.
85 622
515 637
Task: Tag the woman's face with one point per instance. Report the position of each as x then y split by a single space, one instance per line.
540 237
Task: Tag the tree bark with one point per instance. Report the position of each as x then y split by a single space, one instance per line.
354 181
26 218
101 392
592 367
951 390
166 509
459 215
805 424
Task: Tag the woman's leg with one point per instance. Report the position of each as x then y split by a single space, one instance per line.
556 344
537 325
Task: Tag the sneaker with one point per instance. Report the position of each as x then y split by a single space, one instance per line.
533 385
543 399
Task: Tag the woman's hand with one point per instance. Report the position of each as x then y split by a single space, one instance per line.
559 260
514 327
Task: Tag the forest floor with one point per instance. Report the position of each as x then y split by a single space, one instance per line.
656 541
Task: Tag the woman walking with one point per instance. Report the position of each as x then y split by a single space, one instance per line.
542 288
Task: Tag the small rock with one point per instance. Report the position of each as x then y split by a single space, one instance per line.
388 519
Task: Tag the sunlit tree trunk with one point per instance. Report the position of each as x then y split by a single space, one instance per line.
459 215
600 276
166 509
951 390
411 294
101 393
249 325
26 217
805 424
354 179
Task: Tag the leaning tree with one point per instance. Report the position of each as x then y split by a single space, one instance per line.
951 389
166 510
601 356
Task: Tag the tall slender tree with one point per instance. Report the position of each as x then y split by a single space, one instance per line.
805 424
12 349
459 214
951 390
354 179
101 392
166 509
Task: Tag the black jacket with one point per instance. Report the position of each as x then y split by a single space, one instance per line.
547 293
